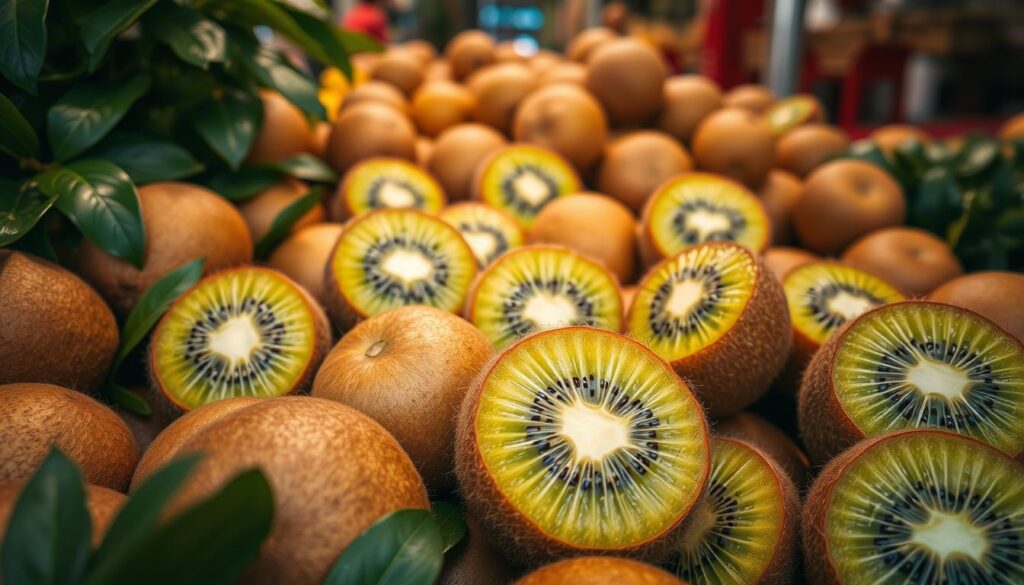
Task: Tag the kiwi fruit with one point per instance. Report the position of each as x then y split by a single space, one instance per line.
770 439
581 441
914 364
409 370
261 210
635 164
779 193
382 182
457 153
303 256
439 70
56 329
163 448
626 76
736 143
247 331
498 90
793 111
700 207
745 529
401 68
1013 128
395 257
474 561
687 100
382 131
719 317
806 147
583 45
573 73
424 150
570 222
34 417
540 287
994 295
102 503
183 222
377 92
843 200
921 506
522 178
543 60
565 118
599 571
505 52
319 135
895 136
423 50
333 471
749 96
489 232
781 259
469 51
283 133
914 260
438 105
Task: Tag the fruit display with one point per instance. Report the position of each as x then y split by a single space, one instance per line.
467 315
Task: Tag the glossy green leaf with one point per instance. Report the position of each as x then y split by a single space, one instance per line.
21 207
938 201
307 167
327 37
17 138
402 547
274 72
285 219
273 15
210 543
978 156
102 202
868 151
131 401
451 522
47 537
101 25
244 183
356 42
22 41
195 40
229 124
148 160
87 113
314 8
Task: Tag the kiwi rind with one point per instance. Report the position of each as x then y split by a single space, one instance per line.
770 439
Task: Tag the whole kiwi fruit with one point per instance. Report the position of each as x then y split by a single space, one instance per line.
34 417
367 130
424 150
687 100
505 52
409 370
626 76
468 51
806 147
892 137
401 68
498 90
423 50
303 256
319 134
438 105
564 73
780 192
284 131
635 164
599 571
56 329
582 45
781 259
737 143
843 200
102 503
183 222
566 119
992 294
438 70
911 259
750 96
261 210
544 60
474 560
457 153
333 471
376 92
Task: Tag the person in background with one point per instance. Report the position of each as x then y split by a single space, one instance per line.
369 18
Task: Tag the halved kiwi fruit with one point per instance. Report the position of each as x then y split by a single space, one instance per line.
521 179
692 208
773 441
719 317
468 51
242 332
745 529
578 441
395 257
599 571
786 114
921 506
541 287
379 183
489 232
914 364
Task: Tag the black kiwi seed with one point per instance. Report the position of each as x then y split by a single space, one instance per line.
513 306
391 288
663 325
215 368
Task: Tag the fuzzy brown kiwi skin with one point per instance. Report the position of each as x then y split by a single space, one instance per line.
474 561
321 344
769 439
530 546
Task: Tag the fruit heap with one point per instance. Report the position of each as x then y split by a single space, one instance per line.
607 309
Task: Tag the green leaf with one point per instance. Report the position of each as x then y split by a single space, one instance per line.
327 37
101 25
47 538
229 124
23 41
868 151
244 183
356 42
285 219
37 242
148 160
402 547
212 542
102 202
194 39
21 207
154 303
126 399
451 522
265 12
307 167
17 138
274 72
977 157
938 201
84 115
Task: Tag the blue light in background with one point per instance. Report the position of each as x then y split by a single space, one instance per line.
515 17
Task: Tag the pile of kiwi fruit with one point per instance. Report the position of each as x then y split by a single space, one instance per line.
643 328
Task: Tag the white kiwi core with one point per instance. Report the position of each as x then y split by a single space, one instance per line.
531 188
931 376
685 296
949 535
407 265
849 306
593 431
393 195
549 311
482 243
235 339
706 222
